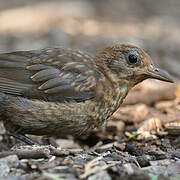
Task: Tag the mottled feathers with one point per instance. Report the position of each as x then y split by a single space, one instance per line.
55 74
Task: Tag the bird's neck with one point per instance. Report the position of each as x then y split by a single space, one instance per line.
110 94
115 91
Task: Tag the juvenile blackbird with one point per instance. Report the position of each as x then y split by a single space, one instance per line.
58 91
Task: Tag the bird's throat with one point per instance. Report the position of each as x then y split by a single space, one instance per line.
110 98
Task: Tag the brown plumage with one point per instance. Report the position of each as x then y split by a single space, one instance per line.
57 91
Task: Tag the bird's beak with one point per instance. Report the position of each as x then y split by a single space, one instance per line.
157 73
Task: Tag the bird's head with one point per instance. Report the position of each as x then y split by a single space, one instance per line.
131 63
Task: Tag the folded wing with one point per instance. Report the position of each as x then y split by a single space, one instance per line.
50 74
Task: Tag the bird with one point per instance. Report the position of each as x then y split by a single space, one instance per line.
59 91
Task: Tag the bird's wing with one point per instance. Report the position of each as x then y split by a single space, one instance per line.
50 74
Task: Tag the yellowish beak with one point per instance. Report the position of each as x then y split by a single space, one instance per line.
157 73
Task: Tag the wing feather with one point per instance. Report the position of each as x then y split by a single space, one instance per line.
52 83
12 87
56 76
45 74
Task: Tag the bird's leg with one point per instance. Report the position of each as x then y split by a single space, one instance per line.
25 139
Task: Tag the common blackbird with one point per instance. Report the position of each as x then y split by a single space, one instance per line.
59 91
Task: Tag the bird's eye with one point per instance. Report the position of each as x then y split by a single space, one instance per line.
132 59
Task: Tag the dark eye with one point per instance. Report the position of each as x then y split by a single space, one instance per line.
132 59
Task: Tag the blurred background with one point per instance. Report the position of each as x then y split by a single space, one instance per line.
90 25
